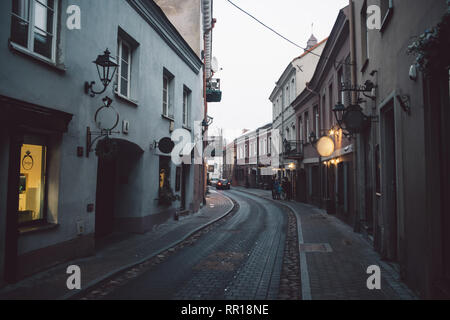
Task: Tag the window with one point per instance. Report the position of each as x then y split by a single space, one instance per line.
270 145
330 104
293 137
124 72
186 107
33 26
32 188
307 127
288 101
293 89
341 86
300 123
316 122
264 149
167 106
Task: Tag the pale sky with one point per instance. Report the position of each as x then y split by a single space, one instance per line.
253 58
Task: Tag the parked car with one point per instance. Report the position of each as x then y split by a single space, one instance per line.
213 182
223 184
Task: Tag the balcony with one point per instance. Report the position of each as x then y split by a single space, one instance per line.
293 149
213 93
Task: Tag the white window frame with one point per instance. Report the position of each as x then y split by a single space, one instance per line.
166 93
293 89
288 96
270 145
317 120
122 43
186 107
31 27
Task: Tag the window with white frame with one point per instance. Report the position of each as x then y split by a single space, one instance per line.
288 98
186 106
270 145
293 89
316 122
124 72
167 103
300 130
265 146
33 26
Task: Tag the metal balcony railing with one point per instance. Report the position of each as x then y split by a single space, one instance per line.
293 149
213 93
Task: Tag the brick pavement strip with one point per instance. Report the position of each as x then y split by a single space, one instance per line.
123 255
339 272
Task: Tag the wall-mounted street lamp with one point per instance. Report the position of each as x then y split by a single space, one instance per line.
106 68
312 138
206 123
350 119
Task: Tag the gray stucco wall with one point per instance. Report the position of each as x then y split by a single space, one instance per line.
24 78
388 57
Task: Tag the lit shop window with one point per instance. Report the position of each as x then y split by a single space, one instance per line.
33 24
32 183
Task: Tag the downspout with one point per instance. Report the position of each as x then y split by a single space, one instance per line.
358 212
207 43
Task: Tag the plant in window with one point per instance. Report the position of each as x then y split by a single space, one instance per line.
432 48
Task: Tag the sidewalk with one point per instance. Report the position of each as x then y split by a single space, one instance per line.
334 259
122 252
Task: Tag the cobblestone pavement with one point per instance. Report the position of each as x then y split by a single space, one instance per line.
240 258
337 258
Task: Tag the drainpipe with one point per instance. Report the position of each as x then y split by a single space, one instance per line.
358 211
208 25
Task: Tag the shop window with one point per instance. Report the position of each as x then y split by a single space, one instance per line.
32 188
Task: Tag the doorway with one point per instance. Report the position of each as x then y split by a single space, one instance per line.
105 197
184 177
389 192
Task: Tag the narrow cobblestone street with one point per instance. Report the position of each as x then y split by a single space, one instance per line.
239 259
258 252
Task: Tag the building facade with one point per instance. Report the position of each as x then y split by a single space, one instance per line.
327 181
290 84
403 156
57 196
248 160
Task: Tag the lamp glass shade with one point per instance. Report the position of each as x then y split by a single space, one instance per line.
325 146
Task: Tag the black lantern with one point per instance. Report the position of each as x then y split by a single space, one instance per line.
351 119
312 137
206 123
106 68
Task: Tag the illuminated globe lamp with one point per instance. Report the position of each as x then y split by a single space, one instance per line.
325 146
